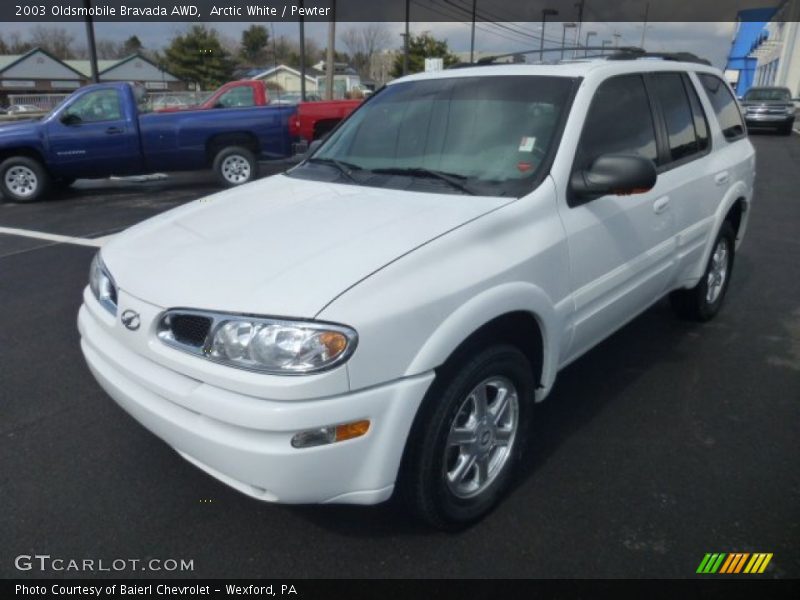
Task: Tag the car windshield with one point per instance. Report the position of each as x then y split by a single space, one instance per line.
781 95
487 135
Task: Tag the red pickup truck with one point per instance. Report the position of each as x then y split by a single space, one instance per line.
311 121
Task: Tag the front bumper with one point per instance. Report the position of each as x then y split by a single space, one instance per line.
244 441
767 120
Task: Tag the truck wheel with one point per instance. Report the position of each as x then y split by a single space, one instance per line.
703 301
787 129
235 165
467 439
23 179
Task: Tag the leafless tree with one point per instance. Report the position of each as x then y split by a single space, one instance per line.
363 43
55 40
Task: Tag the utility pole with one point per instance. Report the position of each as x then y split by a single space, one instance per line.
405 40
90 38
329 62
644 25
616 35
579 6
564 37
472 41
546 12
588 35
302 55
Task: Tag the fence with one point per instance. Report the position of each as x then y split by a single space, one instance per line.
44 101
48 102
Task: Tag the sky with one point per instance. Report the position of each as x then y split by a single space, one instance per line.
710 40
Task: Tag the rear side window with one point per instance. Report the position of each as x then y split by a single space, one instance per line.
699 116
669 90
725 107
620 121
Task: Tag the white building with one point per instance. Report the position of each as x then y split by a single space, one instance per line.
135 68
779 54
289 79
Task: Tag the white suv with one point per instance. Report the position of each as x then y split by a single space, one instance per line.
383 316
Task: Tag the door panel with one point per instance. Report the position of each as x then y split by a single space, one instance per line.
92 137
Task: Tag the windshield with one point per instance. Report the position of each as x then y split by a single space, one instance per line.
477 135
779 94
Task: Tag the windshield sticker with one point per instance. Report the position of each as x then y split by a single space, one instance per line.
527 144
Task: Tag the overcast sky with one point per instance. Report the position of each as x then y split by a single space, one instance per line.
710 40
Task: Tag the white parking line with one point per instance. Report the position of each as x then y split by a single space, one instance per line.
54 237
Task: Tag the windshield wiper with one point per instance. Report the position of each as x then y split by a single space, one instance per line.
345 168
455 181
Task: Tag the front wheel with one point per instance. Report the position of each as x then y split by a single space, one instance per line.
235 165
703 301
23 179
468 438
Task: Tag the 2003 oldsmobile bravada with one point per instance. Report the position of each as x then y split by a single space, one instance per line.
381 317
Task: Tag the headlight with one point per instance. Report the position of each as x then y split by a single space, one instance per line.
102 285
275 346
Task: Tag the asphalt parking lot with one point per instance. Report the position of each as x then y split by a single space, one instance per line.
668 441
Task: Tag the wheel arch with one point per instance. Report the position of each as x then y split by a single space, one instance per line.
221 141
517 313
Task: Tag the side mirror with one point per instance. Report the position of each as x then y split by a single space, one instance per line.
614 174
70 119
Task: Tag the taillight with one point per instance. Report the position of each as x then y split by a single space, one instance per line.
294 126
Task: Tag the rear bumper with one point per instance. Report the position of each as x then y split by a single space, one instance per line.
258 459
768 120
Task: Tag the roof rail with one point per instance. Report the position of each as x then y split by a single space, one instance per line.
619 53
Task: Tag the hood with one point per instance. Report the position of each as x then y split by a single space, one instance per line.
279 246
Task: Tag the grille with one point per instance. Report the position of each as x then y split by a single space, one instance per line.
190 329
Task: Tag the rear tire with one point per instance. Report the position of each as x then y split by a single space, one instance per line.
235 165
23 179
467 438
703 301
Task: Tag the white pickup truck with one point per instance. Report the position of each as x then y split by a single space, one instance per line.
381 318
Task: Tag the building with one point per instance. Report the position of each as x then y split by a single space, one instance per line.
37 72
135 68
741 66
346 80
38 77
289 79
381 65
777 53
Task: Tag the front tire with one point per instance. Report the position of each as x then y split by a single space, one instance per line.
467 439
23 179
787 129
703 301
235 165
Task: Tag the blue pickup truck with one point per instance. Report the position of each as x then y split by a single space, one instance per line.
101 130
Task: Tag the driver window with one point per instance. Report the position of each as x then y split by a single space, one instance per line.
100 105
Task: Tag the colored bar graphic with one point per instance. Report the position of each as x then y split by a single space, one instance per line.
722 563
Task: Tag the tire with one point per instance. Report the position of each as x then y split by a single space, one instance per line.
235 165
703 301
786 129
435 480
23 179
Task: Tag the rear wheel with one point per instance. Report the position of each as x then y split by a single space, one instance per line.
23 179
235 165
703 301
468 438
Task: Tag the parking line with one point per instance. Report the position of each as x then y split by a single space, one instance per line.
54 237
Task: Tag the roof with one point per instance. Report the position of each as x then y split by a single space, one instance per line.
270 71
580 68
85 66
9 60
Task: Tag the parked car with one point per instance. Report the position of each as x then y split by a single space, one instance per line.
16 109
313 120
99 131
770 107
382 318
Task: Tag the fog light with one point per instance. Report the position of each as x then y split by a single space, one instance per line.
330 434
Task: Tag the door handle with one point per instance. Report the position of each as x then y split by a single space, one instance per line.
722 178
661 205
114 130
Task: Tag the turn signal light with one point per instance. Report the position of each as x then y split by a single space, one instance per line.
330 434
